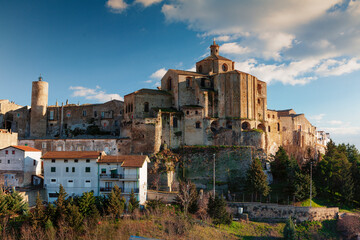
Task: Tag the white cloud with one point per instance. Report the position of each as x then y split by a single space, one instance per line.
317 118
304 39
343 130
234 48
117 6
94 94
156 77
147 3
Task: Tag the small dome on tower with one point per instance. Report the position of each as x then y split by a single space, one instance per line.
40 78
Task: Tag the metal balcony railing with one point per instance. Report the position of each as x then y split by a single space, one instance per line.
119 176
126 190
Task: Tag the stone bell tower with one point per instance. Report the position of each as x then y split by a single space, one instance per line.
39 103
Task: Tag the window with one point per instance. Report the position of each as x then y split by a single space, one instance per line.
75 160
73 169
84 113
146 107
169 83
0 160
87 160
65 160
196 112
68 114
103 170
52 160
70 181
87 169
51 115
67 169
202 82
198 125
175 122
53 180
13 152
88 181
102 114
225 67
188 82
53 195
187 112
8 161
95 113
200 69
53 169
18 115
259 88
278 126
43 145
34 162
269 129
259 101
6 152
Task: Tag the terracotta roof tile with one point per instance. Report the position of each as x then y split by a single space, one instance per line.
212 57
26 148
187 72
126 160
71 155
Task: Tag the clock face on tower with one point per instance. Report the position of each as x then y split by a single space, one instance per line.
224 67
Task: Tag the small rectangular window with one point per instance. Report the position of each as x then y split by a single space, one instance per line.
6 152
13 152
53 180
70 181
87 169
51 115
73 169
102 114
87 160
0 160
84 113
9 161
65 160
34 162
95 113
52 160
103 170
67 169
87 181
53 195
75 160
44 145
53 169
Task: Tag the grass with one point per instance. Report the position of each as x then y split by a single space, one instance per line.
306 203
258 230
317 230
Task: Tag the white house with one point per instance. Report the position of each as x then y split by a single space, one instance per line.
76 171
128 172
18 165
85 171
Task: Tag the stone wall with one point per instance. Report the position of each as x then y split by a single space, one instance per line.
7 138
275 212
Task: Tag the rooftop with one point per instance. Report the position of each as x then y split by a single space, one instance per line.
125 160
72 155
25 148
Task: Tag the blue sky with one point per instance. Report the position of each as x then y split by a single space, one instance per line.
95 50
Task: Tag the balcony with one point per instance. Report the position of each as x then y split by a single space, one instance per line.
117 177
124 191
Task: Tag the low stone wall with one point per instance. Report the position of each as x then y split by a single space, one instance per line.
30 195
268 211
166 197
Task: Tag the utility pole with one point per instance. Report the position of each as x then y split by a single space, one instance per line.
214 174
310 181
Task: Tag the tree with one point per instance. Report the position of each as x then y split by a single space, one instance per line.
133 202
38 214
16 203
87 205
217 210
187 195
289 230
301 186
3 204
73 216
116 203
60 204
257 179
279 165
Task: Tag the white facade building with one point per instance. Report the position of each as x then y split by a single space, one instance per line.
85 171
76 171
128 172
18 165
322 137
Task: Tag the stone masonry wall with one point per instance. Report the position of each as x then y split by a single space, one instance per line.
268 211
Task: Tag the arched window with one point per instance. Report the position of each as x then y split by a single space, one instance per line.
245 126
198 125
261 127
229 124
269 129
214 126
188 82
278 125
225 67
268 115
169 83
259 88
259 101
146 107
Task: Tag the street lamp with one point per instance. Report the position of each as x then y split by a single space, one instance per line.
214 174
311 163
